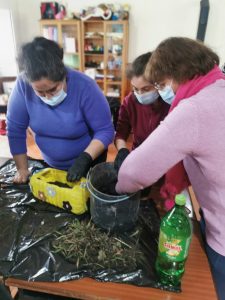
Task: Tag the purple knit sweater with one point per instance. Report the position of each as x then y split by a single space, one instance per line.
64 131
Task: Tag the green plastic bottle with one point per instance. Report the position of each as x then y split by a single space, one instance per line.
174 241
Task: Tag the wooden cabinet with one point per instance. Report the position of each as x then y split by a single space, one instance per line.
93 50
98 48
68 34
105 45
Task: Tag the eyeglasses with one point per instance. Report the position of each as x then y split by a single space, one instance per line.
144 90
161 86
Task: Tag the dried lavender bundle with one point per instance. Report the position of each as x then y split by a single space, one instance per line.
85 245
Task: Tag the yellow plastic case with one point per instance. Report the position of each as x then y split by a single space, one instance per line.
45 185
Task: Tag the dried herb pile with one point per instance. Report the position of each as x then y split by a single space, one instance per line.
83 244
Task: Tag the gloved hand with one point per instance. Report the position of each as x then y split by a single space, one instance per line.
80 167
121 155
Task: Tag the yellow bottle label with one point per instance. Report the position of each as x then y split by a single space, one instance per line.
173 248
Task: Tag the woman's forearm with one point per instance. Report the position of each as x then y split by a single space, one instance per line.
95 148
21 161
22 174
119 143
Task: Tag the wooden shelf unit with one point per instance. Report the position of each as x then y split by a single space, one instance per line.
67 33
79 38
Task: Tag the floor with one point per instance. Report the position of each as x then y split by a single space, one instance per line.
34 152
4 147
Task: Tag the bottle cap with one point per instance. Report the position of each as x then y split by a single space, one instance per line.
180 199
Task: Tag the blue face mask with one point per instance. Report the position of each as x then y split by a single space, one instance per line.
55 100
147 98
167 94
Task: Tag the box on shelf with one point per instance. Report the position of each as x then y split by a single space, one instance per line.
70 44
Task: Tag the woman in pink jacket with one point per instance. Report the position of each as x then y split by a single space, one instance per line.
187 76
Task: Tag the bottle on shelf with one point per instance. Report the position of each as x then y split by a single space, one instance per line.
174 241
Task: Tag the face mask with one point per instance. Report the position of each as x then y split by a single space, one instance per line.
167 94
55 100
147 98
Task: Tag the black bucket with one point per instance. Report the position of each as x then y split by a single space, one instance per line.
111 212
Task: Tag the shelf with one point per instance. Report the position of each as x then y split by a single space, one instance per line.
112 37
115 35
111 54
97 68
71 53
97 54
93 37
113 82
108 36
114 70
68 33
97 20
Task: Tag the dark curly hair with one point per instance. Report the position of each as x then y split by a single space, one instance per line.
42 58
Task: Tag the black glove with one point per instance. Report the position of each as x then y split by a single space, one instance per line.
121 155
80 167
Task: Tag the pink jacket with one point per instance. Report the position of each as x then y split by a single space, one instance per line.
195 133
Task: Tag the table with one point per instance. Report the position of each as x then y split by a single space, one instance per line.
196 284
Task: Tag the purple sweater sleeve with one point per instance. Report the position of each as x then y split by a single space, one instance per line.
16 127
97 114
172 140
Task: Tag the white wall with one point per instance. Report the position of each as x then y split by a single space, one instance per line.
150 21
153 20
8 65
29 16
215 34
12 5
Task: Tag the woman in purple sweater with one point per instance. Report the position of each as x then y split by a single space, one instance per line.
66 110
187 75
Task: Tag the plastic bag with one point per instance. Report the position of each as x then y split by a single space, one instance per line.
27 231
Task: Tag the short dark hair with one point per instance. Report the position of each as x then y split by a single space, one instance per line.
180 58
42 58
137 68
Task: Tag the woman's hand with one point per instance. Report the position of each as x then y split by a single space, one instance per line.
80 167
22 173
121 156
21 176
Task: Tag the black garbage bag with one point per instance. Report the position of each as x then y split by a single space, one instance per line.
28 228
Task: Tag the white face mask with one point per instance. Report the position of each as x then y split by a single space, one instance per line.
147 98
55 100
167 94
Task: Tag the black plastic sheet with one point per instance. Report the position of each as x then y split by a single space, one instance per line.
27 227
